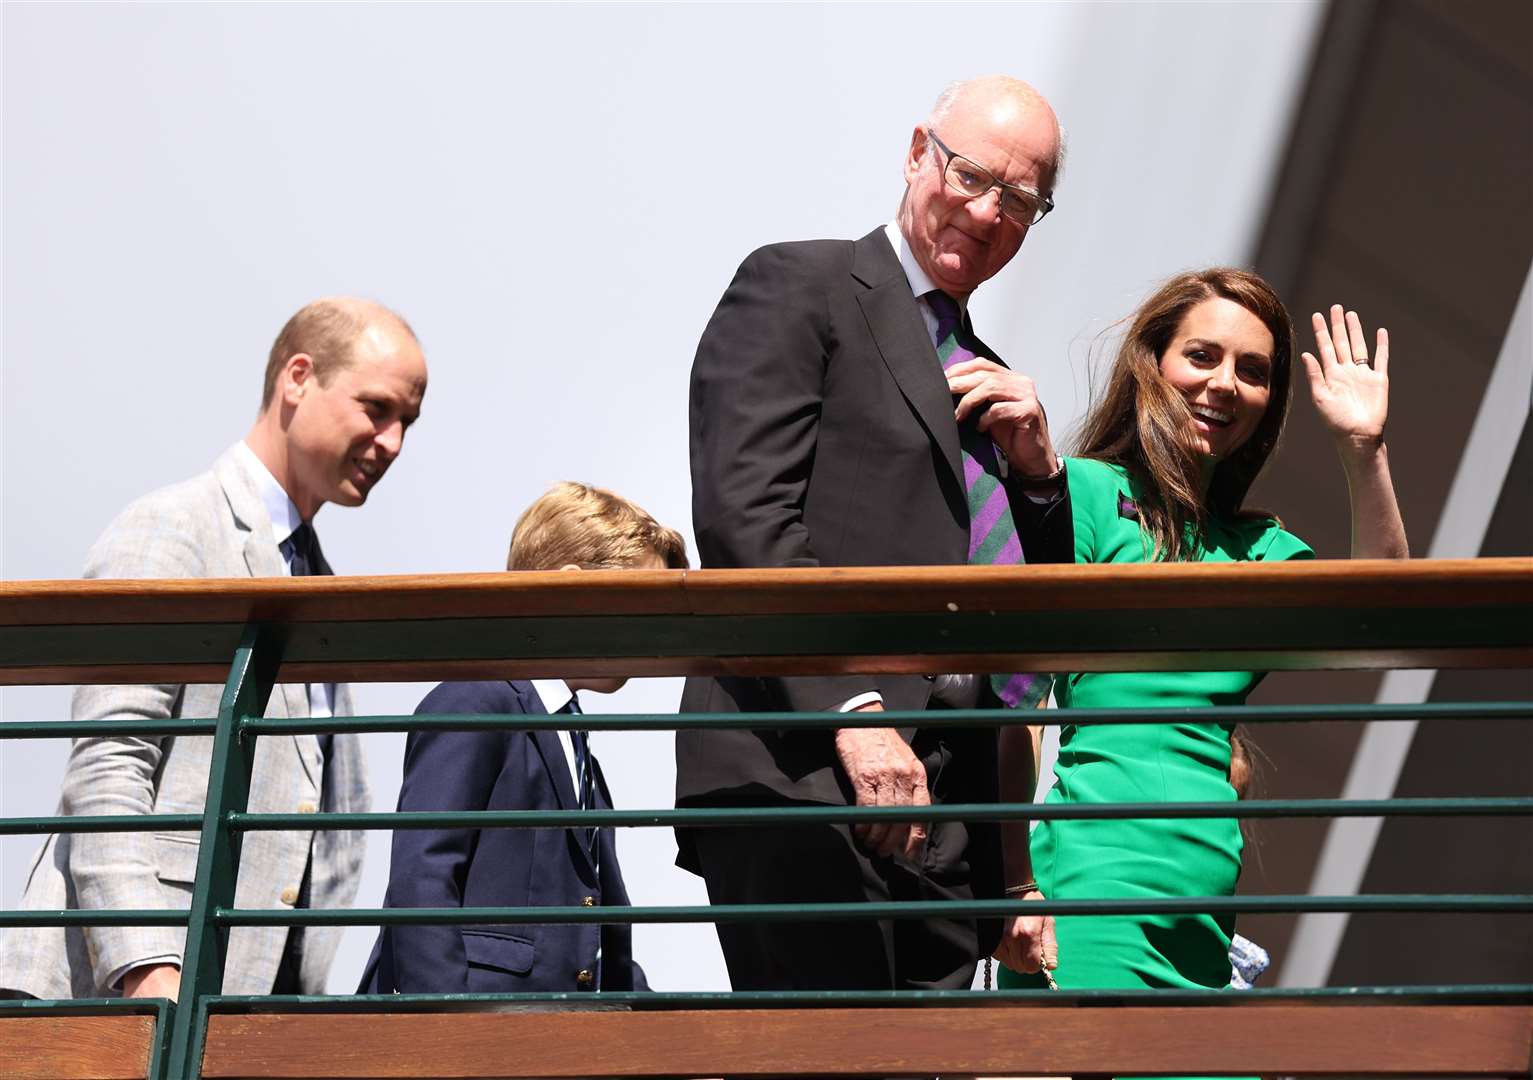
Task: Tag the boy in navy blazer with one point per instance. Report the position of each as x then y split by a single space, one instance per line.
572 527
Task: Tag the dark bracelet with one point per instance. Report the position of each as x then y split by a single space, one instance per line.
1053 482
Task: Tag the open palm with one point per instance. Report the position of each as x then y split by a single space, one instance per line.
1351 394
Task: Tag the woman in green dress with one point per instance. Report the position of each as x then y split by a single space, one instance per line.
1193 407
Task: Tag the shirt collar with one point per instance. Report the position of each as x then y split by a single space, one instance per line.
920 284
555 694
281 509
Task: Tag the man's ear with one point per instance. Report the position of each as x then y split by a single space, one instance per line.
297 374
916 152
569 566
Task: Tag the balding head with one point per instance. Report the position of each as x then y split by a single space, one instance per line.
1006 95
344 383
327 331
1006 128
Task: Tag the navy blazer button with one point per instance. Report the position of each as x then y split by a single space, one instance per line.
589 901
585 978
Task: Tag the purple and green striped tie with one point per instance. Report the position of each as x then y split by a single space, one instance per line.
993 539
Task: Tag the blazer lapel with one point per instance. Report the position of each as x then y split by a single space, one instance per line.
902 340
263 559
552 752
558 767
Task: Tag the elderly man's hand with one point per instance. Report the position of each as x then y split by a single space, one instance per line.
1013 416
884 772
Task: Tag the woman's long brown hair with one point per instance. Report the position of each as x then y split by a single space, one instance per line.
1143 424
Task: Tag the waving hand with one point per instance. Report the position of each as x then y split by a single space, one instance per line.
1351 394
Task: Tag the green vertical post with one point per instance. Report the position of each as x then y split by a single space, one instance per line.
249 685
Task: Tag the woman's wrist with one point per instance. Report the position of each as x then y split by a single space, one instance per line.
1361 451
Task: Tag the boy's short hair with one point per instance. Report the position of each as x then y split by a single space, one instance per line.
591 528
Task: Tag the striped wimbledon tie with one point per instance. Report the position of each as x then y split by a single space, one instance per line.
993 539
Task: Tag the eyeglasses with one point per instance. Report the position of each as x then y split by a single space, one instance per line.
1021 205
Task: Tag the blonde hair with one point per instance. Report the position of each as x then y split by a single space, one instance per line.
592 528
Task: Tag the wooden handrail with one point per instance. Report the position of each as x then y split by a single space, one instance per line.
1369 583
1339 614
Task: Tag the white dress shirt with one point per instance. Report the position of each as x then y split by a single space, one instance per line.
555 694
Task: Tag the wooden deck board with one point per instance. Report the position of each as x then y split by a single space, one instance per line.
1303 1039
43 1047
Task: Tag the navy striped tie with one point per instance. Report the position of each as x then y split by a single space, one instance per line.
304 559
585 774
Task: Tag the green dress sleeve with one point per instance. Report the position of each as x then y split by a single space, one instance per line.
1278 544
1093 491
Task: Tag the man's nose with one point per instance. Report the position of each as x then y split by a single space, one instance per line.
987 207
390 439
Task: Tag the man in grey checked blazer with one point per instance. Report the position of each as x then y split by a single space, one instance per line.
344 380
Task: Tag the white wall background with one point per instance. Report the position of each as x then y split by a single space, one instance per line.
555 196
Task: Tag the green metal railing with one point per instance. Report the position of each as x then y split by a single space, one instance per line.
258 660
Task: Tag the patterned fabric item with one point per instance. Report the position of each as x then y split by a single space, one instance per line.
1247 961
993 538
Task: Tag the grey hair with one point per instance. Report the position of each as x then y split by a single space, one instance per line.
942 108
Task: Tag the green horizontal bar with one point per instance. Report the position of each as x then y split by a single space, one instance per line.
739 913
914 909
1475 994
101 823
821 815
88 729
946 718
86 1006
778 815
122 917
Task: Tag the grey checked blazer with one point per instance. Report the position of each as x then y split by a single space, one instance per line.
213 525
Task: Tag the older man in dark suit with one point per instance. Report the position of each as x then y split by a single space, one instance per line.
844 414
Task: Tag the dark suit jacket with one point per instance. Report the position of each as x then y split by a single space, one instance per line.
496 770
822 434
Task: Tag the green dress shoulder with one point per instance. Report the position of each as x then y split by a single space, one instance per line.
1183 762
